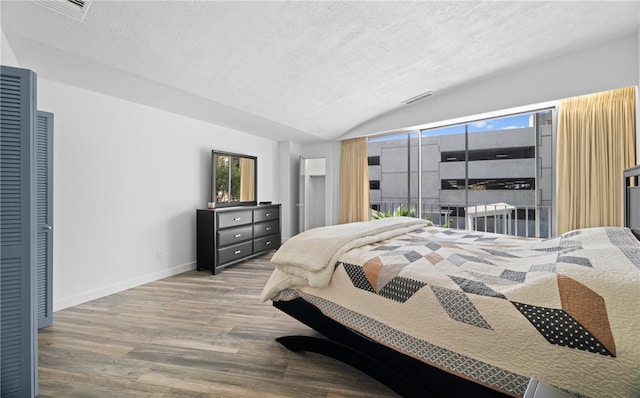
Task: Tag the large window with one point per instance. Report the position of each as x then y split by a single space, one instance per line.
504 162
393 173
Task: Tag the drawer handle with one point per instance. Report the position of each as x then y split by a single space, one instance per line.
267 243
268 229
237 235
237 252
268 215
237 219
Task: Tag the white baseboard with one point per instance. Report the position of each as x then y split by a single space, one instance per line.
67 302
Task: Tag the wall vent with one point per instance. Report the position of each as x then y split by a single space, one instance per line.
74 9
418 97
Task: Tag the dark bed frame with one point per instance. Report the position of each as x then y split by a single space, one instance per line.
403 374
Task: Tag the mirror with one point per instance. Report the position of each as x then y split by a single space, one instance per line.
233 179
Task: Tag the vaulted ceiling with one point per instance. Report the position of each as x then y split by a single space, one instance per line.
303 71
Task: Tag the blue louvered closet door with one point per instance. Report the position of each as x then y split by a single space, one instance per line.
43 152
18 323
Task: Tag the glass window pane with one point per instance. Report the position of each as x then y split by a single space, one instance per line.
502 123
505 162
393 174
501 170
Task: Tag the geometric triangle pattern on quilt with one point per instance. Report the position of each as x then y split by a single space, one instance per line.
475 259
499 253
459 307
410 255
516 276
575 260
475 287
560 328
358 277
401 289
580 323
398 288
588 308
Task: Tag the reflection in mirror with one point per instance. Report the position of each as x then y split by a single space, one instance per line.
221 178
233 179
247 179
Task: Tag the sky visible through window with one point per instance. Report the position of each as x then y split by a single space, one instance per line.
504 123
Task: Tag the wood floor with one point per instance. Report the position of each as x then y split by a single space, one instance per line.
190 335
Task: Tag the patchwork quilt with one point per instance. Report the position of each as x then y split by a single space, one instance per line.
492 308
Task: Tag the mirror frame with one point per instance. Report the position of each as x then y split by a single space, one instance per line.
253 202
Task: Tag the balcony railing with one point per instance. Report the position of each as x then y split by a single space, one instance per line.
503 218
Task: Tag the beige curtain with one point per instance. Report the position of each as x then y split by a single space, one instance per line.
354 181
596 142
247 189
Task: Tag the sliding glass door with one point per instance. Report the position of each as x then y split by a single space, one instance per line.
492 175
393 175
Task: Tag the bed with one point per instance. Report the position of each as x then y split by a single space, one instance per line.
434 312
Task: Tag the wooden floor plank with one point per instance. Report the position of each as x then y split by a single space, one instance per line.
189 335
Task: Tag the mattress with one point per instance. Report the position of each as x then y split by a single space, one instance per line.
495 309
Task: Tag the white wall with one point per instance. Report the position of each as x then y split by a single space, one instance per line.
602 67
127 181
288 176
7 57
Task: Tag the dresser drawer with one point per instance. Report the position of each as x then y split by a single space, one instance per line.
232 236
229 235
266 243
266 228
234 218
266 214
236 252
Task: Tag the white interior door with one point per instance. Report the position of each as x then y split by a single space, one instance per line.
312 195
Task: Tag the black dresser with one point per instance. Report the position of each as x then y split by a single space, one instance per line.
229 235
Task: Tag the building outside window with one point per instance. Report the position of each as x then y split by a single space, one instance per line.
506 162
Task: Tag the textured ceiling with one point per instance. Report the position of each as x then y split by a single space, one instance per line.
298 70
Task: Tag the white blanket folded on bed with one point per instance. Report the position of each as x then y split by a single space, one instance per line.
309 258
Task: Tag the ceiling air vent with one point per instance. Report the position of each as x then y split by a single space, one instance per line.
418 97
74 9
